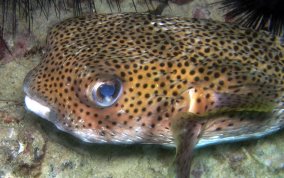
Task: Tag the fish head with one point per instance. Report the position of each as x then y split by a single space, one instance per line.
113 95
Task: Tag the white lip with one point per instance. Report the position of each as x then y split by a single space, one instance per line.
37 108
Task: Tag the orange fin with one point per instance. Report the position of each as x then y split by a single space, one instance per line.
232 86
203 102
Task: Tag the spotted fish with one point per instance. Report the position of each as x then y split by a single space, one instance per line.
139 78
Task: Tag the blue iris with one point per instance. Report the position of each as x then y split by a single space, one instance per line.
107 90
106 93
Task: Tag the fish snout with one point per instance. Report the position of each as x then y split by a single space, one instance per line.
33 101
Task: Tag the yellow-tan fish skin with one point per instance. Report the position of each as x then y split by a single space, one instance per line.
160 60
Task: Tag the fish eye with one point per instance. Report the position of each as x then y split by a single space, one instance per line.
106 93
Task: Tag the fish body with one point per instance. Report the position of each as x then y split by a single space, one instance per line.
140 78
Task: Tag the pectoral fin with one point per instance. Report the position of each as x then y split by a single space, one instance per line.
203 102
231 86
186 131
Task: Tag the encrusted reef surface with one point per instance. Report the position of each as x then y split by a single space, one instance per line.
33 147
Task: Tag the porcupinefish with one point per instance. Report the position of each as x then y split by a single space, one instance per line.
139 78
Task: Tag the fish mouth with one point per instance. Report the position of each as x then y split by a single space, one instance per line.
36 105
39 108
